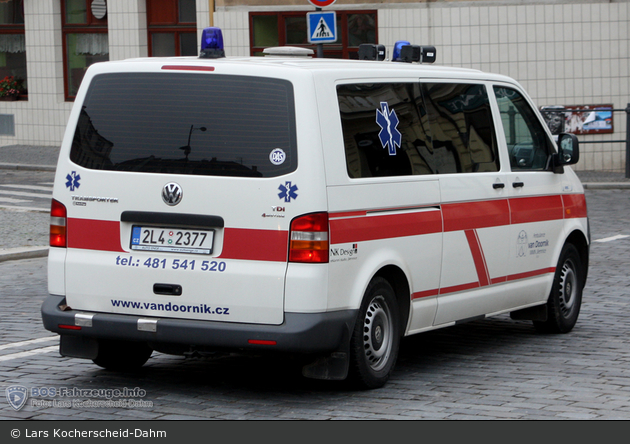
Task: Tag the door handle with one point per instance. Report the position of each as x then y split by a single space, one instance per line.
498 186
167 289
518 184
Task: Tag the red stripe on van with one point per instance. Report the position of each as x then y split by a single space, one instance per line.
574 205
424 294
528 274
90 234
478 257
385 226
536 209
474 215
255 245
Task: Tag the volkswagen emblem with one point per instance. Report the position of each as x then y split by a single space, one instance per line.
172 194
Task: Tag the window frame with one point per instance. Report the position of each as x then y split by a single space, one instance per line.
17 29
171 27
92 25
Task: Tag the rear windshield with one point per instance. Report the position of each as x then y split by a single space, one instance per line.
187 123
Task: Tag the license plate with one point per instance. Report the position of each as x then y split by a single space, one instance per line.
172 240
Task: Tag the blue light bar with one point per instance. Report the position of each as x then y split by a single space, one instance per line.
212 43
397 47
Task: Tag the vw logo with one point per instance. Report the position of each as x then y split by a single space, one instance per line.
172 194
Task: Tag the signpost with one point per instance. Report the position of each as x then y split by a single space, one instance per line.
322 26
321 3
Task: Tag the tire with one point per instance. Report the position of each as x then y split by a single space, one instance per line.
376 337
122 355
565 299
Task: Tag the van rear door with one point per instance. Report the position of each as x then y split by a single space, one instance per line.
168 177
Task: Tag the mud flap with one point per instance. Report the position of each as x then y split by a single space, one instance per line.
78 347
537 313
333 367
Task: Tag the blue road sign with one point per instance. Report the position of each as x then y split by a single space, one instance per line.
322 26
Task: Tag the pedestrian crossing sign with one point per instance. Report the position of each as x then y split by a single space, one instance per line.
322 26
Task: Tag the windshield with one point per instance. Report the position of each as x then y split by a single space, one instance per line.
187 123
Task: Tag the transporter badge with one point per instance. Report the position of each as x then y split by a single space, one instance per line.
17 396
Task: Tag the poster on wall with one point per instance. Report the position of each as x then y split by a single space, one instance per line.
598 121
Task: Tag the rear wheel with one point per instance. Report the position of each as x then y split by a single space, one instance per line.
565 300
376 337
122 355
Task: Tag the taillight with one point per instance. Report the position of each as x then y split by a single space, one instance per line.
58 217
309 238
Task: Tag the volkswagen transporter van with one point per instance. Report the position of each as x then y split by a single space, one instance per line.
309 206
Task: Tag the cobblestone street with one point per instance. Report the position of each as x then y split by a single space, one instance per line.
493 369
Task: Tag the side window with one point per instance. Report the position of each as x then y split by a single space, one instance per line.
384 128
397 129
463 136
528 144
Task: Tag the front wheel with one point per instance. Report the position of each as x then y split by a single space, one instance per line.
376 337
565 300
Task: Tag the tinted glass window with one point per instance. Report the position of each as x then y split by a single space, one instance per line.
187 124
399 129
384 125
528 144
461 125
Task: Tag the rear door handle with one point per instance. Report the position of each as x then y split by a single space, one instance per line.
518 184
498 186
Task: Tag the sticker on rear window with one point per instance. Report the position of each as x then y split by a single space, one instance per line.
277 156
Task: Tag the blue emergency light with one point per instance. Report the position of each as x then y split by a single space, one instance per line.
397 48
212 44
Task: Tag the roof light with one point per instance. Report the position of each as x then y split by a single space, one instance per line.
288 51
397 47
212 43
370 51
415 53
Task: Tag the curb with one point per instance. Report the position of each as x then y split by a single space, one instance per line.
606 186
11 254
27 167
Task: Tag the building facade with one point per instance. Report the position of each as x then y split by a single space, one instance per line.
565 53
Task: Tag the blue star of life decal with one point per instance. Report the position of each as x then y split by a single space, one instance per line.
288 191
389 134
72 180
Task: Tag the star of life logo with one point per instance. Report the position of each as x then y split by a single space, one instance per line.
72 181
389 135
288 191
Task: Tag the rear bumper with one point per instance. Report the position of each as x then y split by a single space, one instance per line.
300 332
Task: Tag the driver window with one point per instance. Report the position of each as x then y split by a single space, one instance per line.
528 144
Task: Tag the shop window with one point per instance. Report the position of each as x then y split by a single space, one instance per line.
85 41
12 44
290 28
172 27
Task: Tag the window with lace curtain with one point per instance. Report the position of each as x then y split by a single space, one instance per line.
84 29
12 43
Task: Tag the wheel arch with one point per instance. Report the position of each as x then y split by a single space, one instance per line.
581 243
399 282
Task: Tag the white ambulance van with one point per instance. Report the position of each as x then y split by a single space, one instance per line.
316 207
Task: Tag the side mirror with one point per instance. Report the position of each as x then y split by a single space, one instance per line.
568 152
568 149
